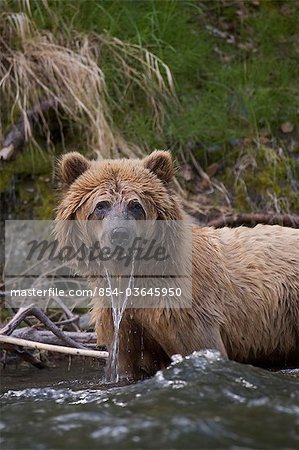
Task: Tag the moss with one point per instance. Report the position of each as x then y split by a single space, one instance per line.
266 181
47 204
29 176
4 314
26 164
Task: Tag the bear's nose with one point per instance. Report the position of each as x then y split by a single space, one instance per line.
119 236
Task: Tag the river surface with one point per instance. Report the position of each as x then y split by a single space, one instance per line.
199 402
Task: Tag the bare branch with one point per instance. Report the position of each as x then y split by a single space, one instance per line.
16 138
53 348
33 310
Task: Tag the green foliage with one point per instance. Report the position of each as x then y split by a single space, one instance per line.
222 98
228 89
235 69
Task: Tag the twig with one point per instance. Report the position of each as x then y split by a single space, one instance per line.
53 348
201 172
68 321
207 183
235 220
68 313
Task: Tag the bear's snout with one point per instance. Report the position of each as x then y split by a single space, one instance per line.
120 236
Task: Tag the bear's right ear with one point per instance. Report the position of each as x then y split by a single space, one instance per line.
71 166
160 163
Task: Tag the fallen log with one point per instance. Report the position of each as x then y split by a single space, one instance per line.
251 219
47 337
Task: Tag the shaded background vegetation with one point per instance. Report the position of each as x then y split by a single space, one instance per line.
234 65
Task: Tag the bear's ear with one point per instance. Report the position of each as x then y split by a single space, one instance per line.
71 166
161 164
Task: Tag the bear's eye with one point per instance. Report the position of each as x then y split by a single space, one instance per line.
136 209
103 205
102 209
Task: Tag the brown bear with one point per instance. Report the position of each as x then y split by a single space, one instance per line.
245 290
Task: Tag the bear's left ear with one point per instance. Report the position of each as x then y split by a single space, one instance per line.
160 163
71 166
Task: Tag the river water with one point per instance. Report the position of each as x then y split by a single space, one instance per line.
199 402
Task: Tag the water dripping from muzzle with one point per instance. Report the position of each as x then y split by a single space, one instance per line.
118 306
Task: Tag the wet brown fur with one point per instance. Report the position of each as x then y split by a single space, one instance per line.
245 280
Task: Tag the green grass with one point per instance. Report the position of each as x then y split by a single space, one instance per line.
221 100
228 91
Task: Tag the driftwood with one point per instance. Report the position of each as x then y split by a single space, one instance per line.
251 219
55 338
32 310
44 113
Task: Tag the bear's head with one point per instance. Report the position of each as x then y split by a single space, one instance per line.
106 201
124 188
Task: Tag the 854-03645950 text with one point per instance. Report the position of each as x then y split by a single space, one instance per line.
141 291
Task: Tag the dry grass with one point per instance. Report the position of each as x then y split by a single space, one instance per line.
36 65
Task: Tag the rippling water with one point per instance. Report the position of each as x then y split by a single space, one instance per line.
200 401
